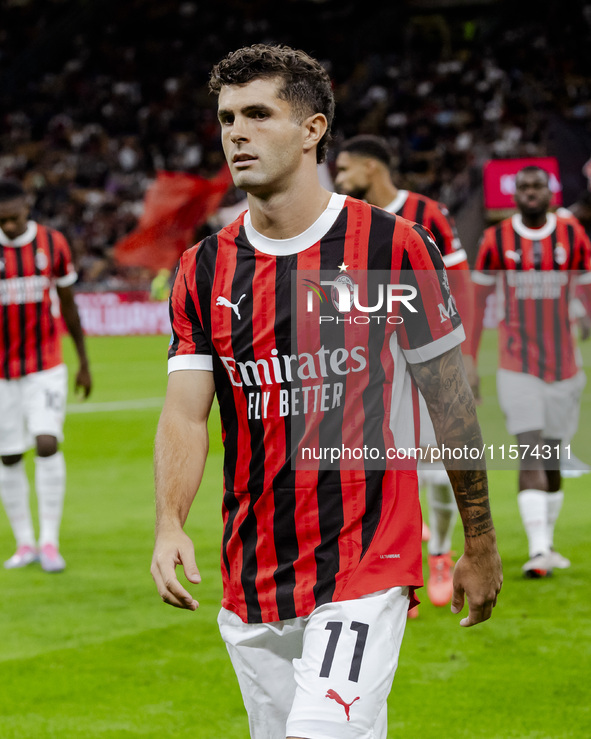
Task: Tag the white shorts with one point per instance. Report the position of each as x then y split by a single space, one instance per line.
530 404
323 676
31 406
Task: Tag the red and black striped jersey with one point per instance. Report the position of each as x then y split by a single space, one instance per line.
300 531
30 267
534 271
436 217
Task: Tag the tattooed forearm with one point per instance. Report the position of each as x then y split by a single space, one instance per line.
446 390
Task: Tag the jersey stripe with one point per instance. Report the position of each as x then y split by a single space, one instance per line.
420 212
377 433
306 481
331 516
22 316
235 435
38 321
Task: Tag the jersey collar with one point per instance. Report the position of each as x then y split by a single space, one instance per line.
398 202
23 239
301 242
534 234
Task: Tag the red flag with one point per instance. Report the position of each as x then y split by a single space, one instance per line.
176 204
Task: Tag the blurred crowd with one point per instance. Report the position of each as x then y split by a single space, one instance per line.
96 97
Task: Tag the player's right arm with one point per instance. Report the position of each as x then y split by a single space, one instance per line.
430 341
478 574
180 452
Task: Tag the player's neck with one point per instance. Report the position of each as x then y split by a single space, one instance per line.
382 194
534 221
288 213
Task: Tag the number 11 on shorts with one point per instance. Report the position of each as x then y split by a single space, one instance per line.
335 628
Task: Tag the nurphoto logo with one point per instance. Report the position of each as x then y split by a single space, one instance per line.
347 296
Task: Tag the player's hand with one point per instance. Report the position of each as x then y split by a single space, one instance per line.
172 549
478 575
83 382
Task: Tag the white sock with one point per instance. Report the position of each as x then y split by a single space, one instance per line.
443 512
554 504
50 481
14 490
533 507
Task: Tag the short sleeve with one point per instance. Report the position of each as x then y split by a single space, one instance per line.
63 270
582 250
443 228
434 326
189 347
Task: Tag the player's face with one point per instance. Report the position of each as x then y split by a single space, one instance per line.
13 217
351 175
261 137
532 194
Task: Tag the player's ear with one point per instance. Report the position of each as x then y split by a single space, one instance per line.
371 166
315 127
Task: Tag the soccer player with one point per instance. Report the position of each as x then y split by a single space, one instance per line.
364 170
319 562
528 258
35 265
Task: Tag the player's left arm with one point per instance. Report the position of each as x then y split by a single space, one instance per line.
71 318
64 275
478 573
443 227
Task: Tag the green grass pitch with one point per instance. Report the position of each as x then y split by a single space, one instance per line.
92 652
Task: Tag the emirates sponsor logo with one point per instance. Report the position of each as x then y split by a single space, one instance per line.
278 369
311 397
21 290
534 285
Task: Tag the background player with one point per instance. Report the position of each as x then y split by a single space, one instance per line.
34 263
538 378
316 563
364 170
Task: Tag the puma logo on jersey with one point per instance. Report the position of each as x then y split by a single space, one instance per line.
333 695
225 302
513 255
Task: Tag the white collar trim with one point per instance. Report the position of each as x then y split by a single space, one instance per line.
301 242
534 234
22 240
398 202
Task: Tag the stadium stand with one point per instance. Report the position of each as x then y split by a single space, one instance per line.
97 96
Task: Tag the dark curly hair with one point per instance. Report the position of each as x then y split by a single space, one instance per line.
366 145
306 84
10 189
